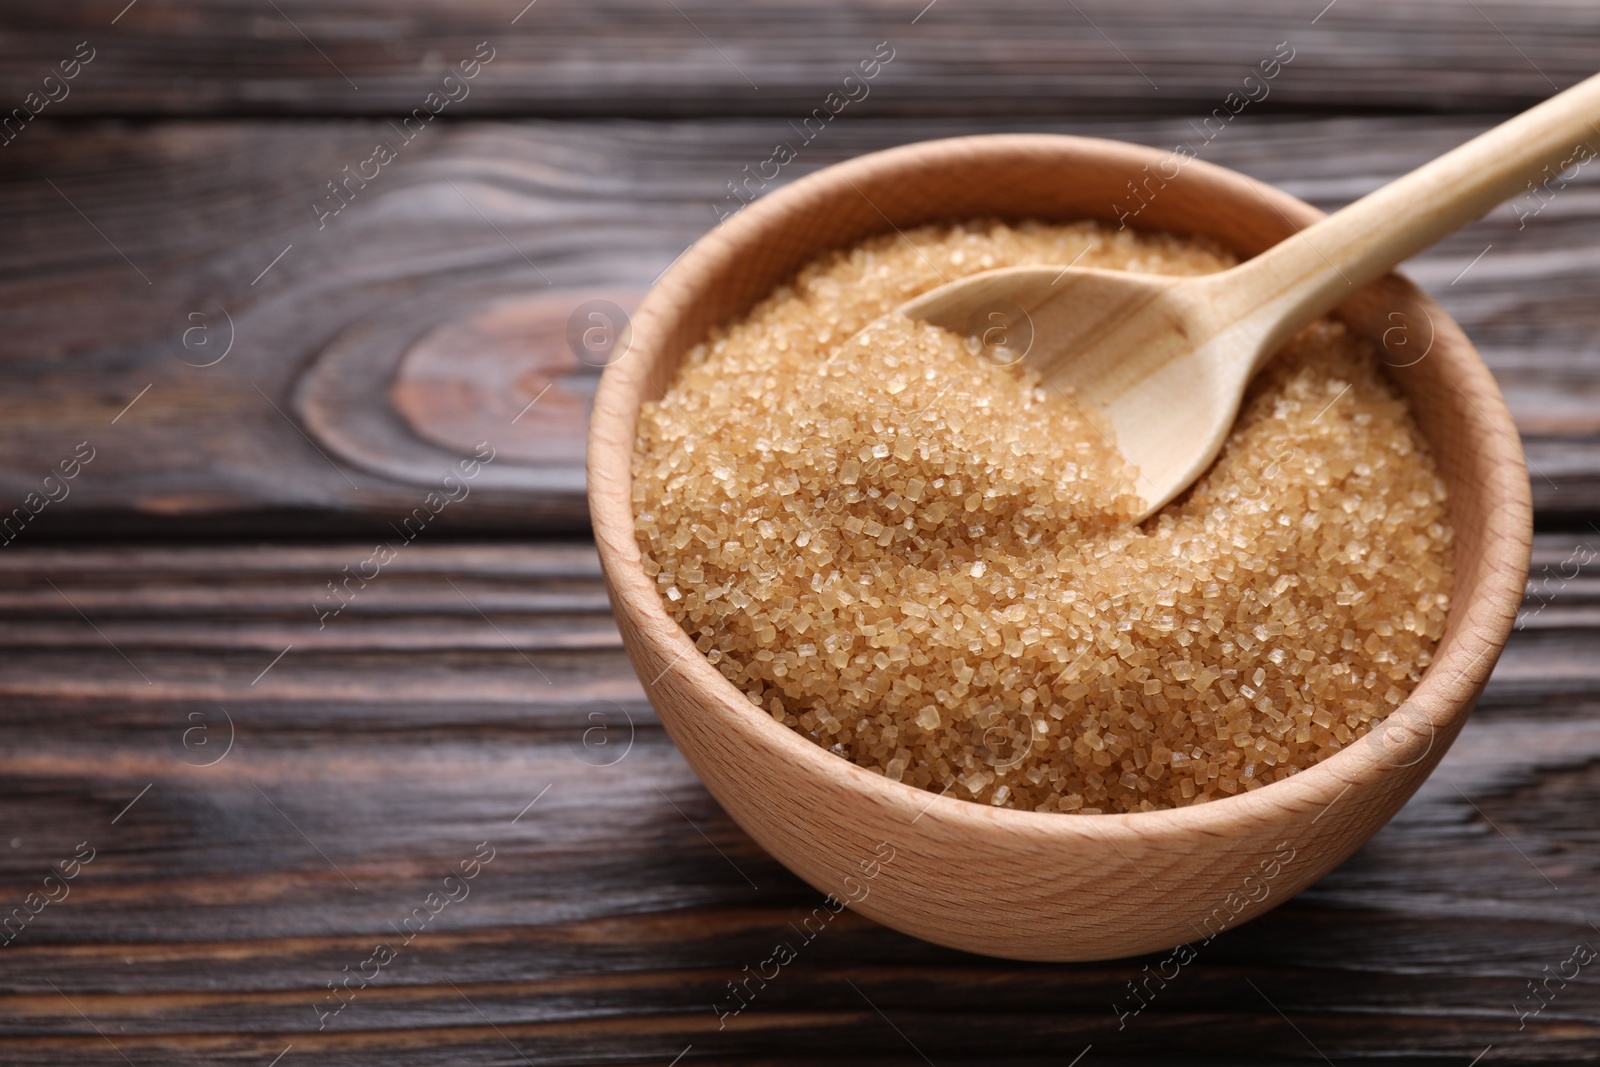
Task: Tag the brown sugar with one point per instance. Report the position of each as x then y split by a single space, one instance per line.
922 561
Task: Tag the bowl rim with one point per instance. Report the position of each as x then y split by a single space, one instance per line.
1476 631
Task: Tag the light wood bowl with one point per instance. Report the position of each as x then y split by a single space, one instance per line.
1022 884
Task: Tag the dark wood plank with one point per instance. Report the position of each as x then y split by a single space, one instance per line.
645 59
384 747
431 310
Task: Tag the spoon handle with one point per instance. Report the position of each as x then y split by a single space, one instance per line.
1313 271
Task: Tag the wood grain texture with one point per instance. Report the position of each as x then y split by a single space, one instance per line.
203 208
607 926
644 59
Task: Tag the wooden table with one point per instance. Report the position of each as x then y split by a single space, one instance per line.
267 389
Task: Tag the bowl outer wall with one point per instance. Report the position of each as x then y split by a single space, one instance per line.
1028 885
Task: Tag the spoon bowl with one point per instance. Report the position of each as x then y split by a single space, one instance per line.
1020 884
1143 351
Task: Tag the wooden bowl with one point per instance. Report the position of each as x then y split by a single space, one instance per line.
1020 884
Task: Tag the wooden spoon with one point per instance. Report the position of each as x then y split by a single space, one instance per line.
1167 359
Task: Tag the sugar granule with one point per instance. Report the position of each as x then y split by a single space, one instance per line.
921 561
